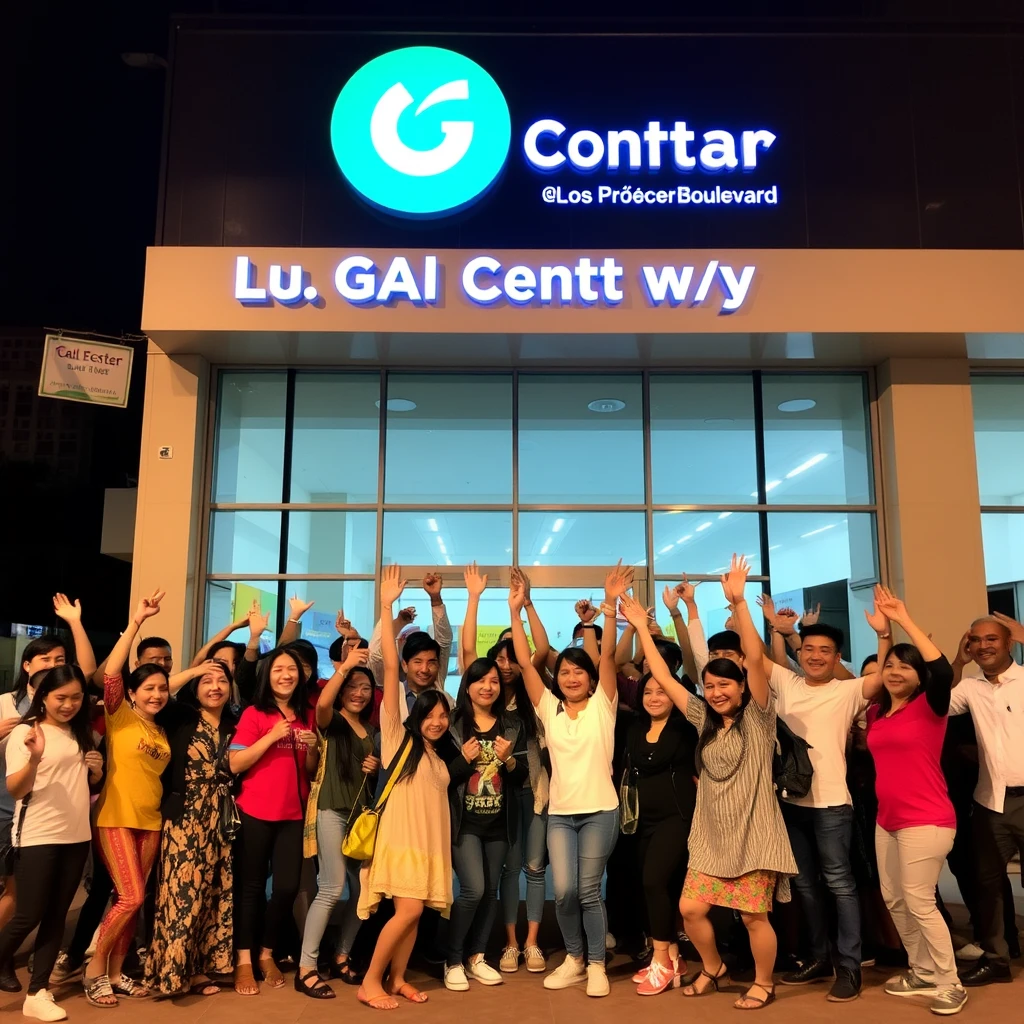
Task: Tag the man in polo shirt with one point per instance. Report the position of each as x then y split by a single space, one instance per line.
821 708
995 699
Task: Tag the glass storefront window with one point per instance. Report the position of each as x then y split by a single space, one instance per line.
248 460
703 440
245 542
335 438
332 542
581 440
702 543
1003 538
228 601
447 538
582 538
999 438
449 439
816 440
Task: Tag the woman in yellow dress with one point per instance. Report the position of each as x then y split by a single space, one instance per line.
412 862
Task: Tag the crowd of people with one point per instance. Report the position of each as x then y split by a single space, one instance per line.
680 790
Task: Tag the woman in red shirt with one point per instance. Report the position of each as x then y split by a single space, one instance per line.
916 822
274 749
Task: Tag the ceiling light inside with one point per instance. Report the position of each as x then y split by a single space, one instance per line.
719 421
768 487
432 523
606 405
667 548
440 544
398 405
797 405
724 515
703 527
683 540
820 529
547 546
804 466
559 523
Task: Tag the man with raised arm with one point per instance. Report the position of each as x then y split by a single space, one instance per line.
995 699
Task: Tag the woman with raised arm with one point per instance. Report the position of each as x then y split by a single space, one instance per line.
343 787
193 923
740 855
579 725
529 849
412 861
916 821
128 819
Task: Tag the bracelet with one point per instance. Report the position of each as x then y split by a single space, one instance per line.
528 604
885 636
296 621
589 625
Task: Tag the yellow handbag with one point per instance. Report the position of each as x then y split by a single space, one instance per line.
361 836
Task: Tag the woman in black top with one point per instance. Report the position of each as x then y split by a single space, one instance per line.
661 747
484 819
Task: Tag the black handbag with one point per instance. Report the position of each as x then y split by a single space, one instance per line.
230 823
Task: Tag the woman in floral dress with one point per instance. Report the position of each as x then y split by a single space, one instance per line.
193 927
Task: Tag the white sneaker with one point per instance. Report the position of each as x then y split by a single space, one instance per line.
480 970
455 979
41 1006
569 972
971 951
597 981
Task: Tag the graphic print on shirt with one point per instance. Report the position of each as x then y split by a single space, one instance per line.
484 790
153 751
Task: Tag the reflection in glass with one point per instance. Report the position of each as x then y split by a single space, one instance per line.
229 601
447 538
816 442
581 440
332 542
248 461
1003 538
702 543
334 439
582 538
245 542
999 438
449 439
703 445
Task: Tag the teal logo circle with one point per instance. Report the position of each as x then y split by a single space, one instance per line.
421 131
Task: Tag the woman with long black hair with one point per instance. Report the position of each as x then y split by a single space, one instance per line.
484 819
193 923
412 860
343 787
50 765
274 749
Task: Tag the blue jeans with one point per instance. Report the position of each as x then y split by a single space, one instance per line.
579 846
477 864
529 853
820 837
330 831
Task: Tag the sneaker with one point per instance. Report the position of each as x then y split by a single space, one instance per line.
951 999
535 962
907 983
597 981
66 967
971 951
846 987
813 970
569 972
509 962
480 970
455 979
40 1006
659 977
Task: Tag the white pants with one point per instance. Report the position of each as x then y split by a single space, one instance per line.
909 863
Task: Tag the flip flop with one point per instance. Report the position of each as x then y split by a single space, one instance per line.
377 1002
414 995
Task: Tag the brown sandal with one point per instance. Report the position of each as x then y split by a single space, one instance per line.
245 983
271 974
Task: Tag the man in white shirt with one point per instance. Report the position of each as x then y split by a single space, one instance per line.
821 708
995 699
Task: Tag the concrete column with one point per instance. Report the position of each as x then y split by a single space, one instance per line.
930 494
168 522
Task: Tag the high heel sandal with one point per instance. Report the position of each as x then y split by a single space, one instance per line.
715 979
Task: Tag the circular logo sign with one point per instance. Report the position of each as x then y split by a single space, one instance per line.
421 131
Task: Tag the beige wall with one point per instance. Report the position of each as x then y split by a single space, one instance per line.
168 525
930 494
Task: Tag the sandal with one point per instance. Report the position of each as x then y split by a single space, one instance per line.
271 973
318 990
204 988
716 979
759 1004
384 1002
124 986
97 989
343 972
245 982
406 991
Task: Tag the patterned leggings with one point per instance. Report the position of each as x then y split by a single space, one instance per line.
129 854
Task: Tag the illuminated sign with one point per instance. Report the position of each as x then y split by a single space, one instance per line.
485 281
425 131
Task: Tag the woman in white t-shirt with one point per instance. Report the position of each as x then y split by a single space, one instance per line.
50 764
583 818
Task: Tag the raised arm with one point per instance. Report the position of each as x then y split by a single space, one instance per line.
687 593
587 615
538 634
734 584
293 627
476 584
616 584
531 677
432 584
180 679
329 694
113 684
219 637
636 616
879 622
391 587
72 615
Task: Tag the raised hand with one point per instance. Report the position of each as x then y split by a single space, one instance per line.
357 657
876 617
526 584
258 622
516 592
585 610
735 580
811 616
670 598
342 626
1015 629
634 612
297 607
432 585
889 605
148 606
786 620
476 581
391 586
66 610
963 651
767 605
35 743
617 582
687 590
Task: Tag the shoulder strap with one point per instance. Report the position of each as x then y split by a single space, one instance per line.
393 777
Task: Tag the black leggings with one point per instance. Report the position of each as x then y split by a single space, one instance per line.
663 860
262 848
47 878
